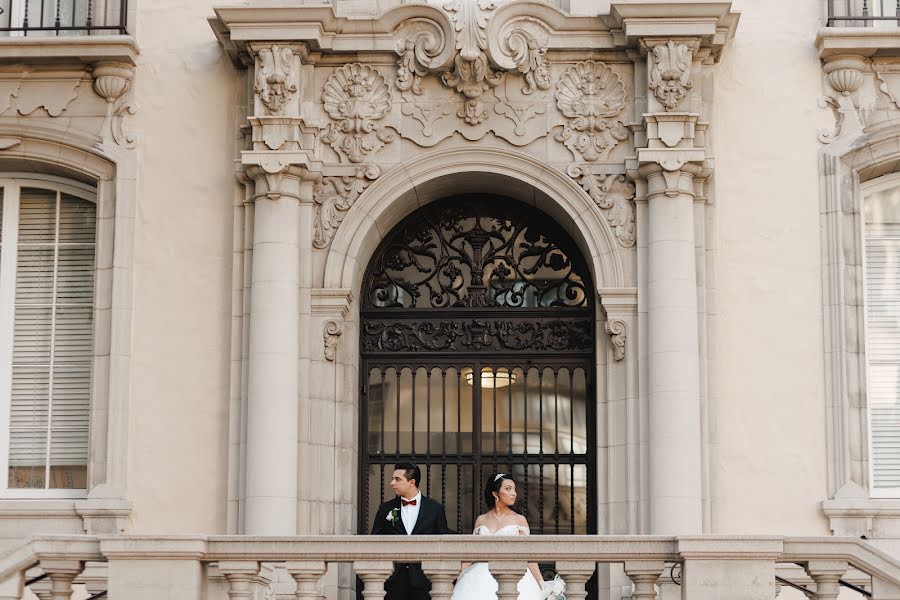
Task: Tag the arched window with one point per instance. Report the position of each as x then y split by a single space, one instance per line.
47 255
477 342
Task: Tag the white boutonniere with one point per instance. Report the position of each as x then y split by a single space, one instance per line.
393 516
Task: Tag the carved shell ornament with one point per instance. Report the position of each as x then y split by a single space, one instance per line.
590 94
356 96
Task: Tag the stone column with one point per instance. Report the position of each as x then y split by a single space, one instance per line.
273 376
667 168
674 384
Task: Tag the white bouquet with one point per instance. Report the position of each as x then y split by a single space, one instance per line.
554 589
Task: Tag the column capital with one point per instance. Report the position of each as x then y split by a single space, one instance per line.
278 174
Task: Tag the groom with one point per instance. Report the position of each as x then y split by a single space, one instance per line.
410 513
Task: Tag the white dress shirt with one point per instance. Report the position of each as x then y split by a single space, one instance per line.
409 514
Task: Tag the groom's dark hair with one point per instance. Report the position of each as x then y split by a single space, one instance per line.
411 472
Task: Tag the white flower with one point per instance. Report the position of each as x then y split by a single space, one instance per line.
554 589
388 518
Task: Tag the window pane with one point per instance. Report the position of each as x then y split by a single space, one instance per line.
53 341
883 334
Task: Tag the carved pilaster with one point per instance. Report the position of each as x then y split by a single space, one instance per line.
276 78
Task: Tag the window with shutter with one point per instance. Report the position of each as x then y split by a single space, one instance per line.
882 272
46 336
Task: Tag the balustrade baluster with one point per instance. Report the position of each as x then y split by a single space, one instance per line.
61 574
373 574
307 575
575 574
644 575
827 575
507 575
241 576
441 574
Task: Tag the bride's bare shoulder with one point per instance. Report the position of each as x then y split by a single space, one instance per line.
480 520
521 521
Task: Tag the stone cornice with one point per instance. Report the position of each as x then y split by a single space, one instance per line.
323 30
87 50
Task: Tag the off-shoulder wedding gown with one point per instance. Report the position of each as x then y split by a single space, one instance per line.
477 583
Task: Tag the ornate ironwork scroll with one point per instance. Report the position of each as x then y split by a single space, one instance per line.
477 253
477 335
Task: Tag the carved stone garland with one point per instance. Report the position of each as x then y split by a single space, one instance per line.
356 97
333 197
670 73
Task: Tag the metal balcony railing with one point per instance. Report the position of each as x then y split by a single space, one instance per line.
48 18
863 13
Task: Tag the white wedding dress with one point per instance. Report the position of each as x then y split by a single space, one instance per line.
477 583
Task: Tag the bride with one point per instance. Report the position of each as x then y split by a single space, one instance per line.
476 582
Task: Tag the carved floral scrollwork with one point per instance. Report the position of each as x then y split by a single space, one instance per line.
477 335
616 329
333 197
523 47
614 194
331 331
276 79
356 96
590 95
670 73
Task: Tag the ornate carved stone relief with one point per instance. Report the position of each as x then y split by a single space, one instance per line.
670 73
591 95
276 77
331 331
112 81
356 97
616 329
844 74
333 197
614 194
478 63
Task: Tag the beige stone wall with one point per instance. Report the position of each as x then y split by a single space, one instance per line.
770 474
178 452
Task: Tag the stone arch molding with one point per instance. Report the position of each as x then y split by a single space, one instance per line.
439 174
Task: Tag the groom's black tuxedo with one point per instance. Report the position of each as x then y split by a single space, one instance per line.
408 582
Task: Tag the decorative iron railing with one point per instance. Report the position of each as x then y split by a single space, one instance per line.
47 18
863 13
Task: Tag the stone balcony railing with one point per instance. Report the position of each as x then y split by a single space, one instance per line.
219 567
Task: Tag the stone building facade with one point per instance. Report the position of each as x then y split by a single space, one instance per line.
248 250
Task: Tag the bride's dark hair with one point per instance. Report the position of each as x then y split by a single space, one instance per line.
494 483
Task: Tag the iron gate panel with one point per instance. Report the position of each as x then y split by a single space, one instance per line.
477 342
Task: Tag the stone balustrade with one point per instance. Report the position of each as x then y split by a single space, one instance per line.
145 567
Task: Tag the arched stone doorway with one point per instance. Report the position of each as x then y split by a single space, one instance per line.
477 356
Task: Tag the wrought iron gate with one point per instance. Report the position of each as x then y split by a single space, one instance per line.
477 343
